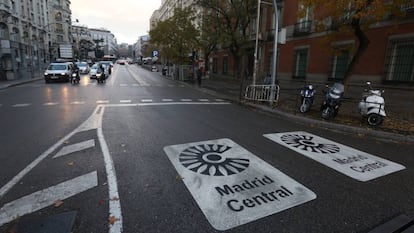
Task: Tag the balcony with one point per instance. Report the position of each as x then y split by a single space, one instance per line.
303 28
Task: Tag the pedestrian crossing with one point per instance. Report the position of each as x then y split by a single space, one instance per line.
121 101
123 85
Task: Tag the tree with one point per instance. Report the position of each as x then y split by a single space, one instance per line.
176 37
355 17
231 21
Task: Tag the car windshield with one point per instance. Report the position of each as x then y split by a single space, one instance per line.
81 64
95 66
57 67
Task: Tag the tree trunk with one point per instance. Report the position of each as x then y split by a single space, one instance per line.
363 42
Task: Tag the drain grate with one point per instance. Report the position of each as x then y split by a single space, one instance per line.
399 224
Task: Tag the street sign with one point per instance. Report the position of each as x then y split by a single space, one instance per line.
155 53
349 161
231 185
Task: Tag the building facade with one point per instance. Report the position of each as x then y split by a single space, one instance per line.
320 56
30 34
104 39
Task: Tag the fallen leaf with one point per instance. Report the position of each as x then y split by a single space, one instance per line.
66 142
178 177
71 163
115 199
112 220
58 203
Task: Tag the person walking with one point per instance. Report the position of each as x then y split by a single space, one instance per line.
199 75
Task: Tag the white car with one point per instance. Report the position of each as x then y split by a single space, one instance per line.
94 71
83 67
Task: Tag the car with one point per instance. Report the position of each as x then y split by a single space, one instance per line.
94 70
58 71
83 67
121 62
108 64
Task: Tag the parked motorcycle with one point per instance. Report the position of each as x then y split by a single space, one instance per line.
332 102
307 94
372 106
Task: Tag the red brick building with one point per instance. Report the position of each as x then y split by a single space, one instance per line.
318 56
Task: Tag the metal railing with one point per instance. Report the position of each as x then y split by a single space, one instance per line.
262 93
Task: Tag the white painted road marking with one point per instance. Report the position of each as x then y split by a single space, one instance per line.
186 100
167 100
77 102
349 161
102 101
231 185
50 104
21 105
47 197
146 100
75 147
125 101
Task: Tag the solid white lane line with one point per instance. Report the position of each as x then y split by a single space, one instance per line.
50 103
75 147
21 105
47 197
125 101
114 199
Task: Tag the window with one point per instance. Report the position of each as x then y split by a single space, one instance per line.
301 63
215 62
225 65
400 67
339 64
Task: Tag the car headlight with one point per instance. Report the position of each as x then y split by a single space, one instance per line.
63 73
46 73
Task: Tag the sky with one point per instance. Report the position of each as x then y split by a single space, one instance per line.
126 19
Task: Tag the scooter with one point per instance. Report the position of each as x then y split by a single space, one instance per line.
332 102
75 78
372 106
307 94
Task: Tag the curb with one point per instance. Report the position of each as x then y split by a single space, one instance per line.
17 83
385 136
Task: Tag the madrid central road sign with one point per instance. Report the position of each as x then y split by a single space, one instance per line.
233 186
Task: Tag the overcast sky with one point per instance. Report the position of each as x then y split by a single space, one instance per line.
126 19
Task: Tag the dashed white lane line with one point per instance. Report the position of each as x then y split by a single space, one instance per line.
21 105
50 103
203 100
125 101
167 100
75 147
77 102
102 101
146 100
186 100
47 197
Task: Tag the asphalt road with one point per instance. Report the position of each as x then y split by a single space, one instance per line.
142 153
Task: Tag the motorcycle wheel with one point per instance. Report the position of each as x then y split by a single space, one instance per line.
326 113
304 108
374 119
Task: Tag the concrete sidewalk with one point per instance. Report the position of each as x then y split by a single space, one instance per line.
399 106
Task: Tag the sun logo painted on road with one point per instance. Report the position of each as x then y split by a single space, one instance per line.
208 159
305 142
